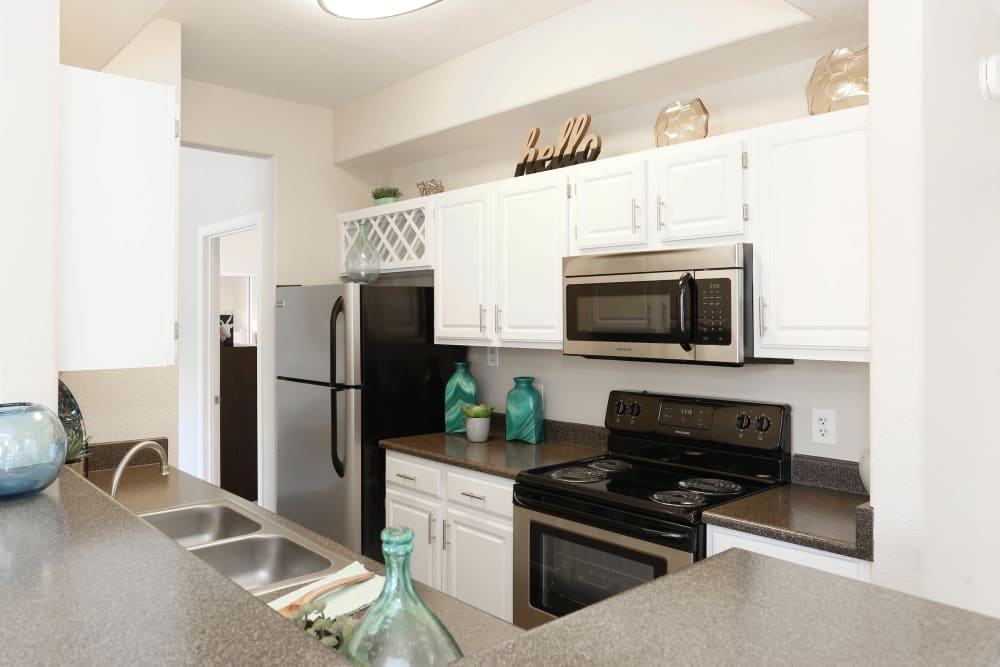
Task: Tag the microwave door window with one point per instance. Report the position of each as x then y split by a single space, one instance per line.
623 312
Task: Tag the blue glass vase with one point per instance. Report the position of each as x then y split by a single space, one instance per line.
32 448
524 412
399 629
462 389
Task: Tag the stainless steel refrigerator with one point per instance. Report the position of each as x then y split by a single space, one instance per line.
355 364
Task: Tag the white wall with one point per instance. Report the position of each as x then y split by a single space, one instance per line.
238 252
29 126
935 169
136 403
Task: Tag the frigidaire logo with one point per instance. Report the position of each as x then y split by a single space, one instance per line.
683 432
623 349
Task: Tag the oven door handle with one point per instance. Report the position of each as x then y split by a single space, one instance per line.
686 296
604 522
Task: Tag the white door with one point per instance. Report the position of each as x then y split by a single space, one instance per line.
479 563
463 309
697 189
420 516
607 205
532 217
810 183
118 222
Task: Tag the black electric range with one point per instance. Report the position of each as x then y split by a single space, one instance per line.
590 528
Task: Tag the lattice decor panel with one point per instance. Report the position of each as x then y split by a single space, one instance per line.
401 237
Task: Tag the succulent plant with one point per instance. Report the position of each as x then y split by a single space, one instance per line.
477 411
77 447
383 192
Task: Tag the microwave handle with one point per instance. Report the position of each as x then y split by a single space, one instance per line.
686 296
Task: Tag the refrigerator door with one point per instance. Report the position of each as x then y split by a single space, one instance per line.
304 340
317 427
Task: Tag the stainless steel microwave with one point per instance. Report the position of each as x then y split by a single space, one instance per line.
688 305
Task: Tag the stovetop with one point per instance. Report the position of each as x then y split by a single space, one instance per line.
672 457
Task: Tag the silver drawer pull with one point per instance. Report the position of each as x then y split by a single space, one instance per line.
406 477
472 495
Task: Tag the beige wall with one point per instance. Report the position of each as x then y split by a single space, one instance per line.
136 403
29 123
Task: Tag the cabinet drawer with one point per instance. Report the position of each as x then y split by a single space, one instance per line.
493 497
408 474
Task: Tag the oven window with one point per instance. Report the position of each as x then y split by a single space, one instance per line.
570 571
639 312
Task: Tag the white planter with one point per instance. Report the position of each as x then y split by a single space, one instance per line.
477 429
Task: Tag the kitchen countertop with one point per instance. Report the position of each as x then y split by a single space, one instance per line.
143 489
740 608
808 516
496 456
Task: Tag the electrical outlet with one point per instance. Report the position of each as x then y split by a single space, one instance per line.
493 357
824 426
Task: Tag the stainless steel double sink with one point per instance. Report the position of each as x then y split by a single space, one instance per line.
258 554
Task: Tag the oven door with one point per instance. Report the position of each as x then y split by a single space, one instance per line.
561 565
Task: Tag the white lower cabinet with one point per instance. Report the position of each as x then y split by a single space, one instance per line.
720 539
463 530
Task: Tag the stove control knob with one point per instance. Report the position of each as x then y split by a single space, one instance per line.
763 423
620 407
742 421
635 409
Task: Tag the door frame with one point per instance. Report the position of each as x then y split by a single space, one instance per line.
209 351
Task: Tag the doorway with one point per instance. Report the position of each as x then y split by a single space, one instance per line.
226 324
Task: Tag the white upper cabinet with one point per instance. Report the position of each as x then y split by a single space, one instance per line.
531 221
607 205
810 185
462 271
118 222
696 189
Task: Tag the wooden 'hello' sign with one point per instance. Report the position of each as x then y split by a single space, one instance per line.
573 148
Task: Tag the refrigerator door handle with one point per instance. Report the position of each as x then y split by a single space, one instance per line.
337 311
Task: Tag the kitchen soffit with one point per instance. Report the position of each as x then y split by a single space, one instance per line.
294 50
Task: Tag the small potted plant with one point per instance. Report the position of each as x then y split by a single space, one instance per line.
385 195
77 451
477 422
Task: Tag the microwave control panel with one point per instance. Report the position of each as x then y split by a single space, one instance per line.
714 314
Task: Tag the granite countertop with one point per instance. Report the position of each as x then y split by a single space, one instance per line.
496 456
809 516
740 608
143 489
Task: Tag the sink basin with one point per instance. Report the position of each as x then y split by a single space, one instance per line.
201 524
258 561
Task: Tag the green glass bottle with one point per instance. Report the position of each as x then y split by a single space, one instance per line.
462 389
398 629
524 412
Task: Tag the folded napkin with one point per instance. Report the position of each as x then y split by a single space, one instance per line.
341 601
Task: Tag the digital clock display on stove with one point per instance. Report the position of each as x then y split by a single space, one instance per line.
687 416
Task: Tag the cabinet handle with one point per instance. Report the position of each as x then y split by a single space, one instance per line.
472 495
761 309
635 223
430 528
498 314
659 211
444 534
482 318
406 477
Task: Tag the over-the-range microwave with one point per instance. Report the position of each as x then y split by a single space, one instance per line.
688 305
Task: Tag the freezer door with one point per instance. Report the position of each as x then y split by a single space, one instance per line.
311 492
303 323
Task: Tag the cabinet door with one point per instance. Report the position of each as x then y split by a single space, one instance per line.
810 183
532 218
479 563
118 222
462 301
608 200
697 189
420 516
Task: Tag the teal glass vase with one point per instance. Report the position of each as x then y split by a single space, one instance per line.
32 448
461 389
399 629
524 412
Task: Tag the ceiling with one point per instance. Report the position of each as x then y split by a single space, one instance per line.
92 32
292 49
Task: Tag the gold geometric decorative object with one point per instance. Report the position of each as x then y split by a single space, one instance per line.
681 121
839 81
431 187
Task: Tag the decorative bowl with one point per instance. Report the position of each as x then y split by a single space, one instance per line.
32 448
